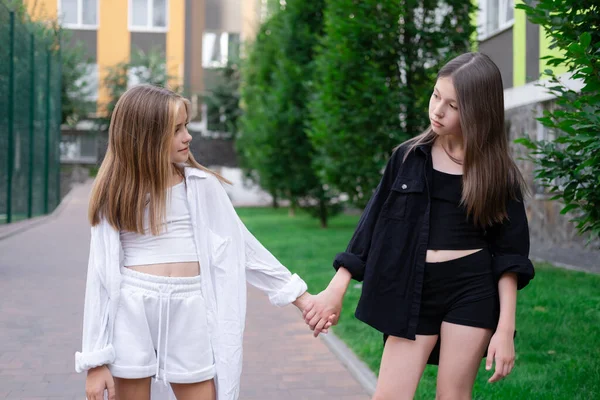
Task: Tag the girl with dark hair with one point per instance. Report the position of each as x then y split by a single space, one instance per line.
443 245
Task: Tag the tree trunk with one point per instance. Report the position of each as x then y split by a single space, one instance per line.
323 217
293 206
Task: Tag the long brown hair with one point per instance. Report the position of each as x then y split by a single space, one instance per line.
490 176
137 166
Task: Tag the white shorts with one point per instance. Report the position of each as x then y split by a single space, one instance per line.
161 330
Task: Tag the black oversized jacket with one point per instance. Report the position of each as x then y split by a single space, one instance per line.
388 249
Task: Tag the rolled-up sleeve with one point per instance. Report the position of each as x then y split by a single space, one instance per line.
266 273
354 259
509 244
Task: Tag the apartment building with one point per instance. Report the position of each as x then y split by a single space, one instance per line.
195 36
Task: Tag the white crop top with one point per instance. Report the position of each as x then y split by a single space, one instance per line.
173 244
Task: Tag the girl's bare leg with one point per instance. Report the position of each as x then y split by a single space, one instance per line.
133 389
402 365
461 351
195 391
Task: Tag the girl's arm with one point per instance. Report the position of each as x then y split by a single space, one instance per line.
96 347
266 273
96 350
501 348
351 264
262 269
507 290
354 259
509 244
324 309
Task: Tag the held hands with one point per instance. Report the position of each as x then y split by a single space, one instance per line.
323 310
502 350
304 302
98 379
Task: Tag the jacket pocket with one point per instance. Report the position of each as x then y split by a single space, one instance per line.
403 197
218 247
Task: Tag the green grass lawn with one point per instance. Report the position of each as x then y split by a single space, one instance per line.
558 321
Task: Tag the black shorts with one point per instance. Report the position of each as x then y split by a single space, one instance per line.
461 291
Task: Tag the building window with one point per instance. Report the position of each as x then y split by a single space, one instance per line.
148 15
219 48
495 16
79 14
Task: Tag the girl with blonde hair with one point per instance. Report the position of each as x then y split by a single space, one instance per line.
168 265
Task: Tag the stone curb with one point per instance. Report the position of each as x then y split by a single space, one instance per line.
357 368
557 264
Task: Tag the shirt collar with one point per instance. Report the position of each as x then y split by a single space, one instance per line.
425 148
196 172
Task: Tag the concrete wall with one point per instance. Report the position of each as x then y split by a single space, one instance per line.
548 228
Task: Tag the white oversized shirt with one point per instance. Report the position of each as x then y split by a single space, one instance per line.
229 255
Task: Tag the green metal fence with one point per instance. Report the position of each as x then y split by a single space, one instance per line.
30 116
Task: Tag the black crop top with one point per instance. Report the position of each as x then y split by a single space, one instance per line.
450 228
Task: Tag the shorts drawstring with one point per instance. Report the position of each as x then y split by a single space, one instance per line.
167 335
161 297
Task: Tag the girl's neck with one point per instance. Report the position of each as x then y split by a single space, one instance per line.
176 175
446 158
453 144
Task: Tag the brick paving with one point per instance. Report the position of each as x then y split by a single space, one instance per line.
42 278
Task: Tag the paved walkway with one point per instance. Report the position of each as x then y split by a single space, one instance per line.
42 278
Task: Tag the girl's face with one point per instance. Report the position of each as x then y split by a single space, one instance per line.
181 139
444 114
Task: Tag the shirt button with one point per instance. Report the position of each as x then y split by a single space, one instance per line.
404 186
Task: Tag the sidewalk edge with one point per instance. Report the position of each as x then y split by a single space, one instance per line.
27 224
357 368
559 264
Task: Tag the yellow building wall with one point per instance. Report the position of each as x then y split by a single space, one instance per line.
475 21
519 47
114 42
42 9
176 42
545 51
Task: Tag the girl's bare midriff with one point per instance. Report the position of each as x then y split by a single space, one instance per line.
434 256
176 270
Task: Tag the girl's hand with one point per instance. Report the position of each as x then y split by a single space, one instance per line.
304 302
98 379
323 309
502 350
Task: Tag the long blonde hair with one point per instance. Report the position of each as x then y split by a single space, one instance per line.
136 170
490 176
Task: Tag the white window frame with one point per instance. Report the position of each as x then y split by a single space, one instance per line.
150 18
79 24
483 33
223 43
